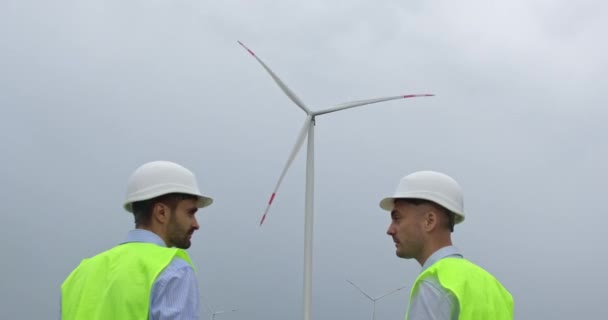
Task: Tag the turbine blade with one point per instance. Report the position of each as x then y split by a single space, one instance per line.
389 293
352 104
297 146
354 285
279 82
210 311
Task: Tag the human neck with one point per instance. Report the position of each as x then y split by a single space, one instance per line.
434 244
156 229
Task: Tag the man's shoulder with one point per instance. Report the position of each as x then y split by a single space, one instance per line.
455 262
177 268
179 263
178 271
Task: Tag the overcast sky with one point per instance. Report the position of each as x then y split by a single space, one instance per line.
89 90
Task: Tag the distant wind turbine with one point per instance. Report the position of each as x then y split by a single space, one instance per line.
214 312
374 299
308 130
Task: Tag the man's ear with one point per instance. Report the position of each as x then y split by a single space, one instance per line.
160 212
430 220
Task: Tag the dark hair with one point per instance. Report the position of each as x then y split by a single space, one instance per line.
142 210
450 214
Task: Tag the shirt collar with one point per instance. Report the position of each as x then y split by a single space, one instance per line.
141 235
449 251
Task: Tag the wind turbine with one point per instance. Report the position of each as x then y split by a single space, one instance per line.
216 312
374 299
308 130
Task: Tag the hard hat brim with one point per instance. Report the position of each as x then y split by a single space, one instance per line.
388 204
202 202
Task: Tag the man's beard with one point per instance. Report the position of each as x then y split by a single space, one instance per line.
178 237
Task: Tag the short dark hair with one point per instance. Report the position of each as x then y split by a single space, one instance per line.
417 202
142 210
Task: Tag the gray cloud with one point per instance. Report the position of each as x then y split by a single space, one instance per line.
91 90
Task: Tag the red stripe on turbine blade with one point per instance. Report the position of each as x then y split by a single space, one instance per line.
263 218
417 95
249 50
271 198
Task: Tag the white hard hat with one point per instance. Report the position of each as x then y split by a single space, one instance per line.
158 178
432 186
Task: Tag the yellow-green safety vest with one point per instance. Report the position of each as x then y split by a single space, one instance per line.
480 296
116 284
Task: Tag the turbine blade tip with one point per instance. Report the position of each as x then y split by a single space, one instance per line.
248 50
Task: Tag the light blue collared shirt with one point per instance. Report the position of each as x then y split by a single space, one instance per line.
175 294
432 301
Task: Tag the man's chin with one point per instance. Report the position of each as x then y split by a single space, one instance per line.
402 255
184 245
